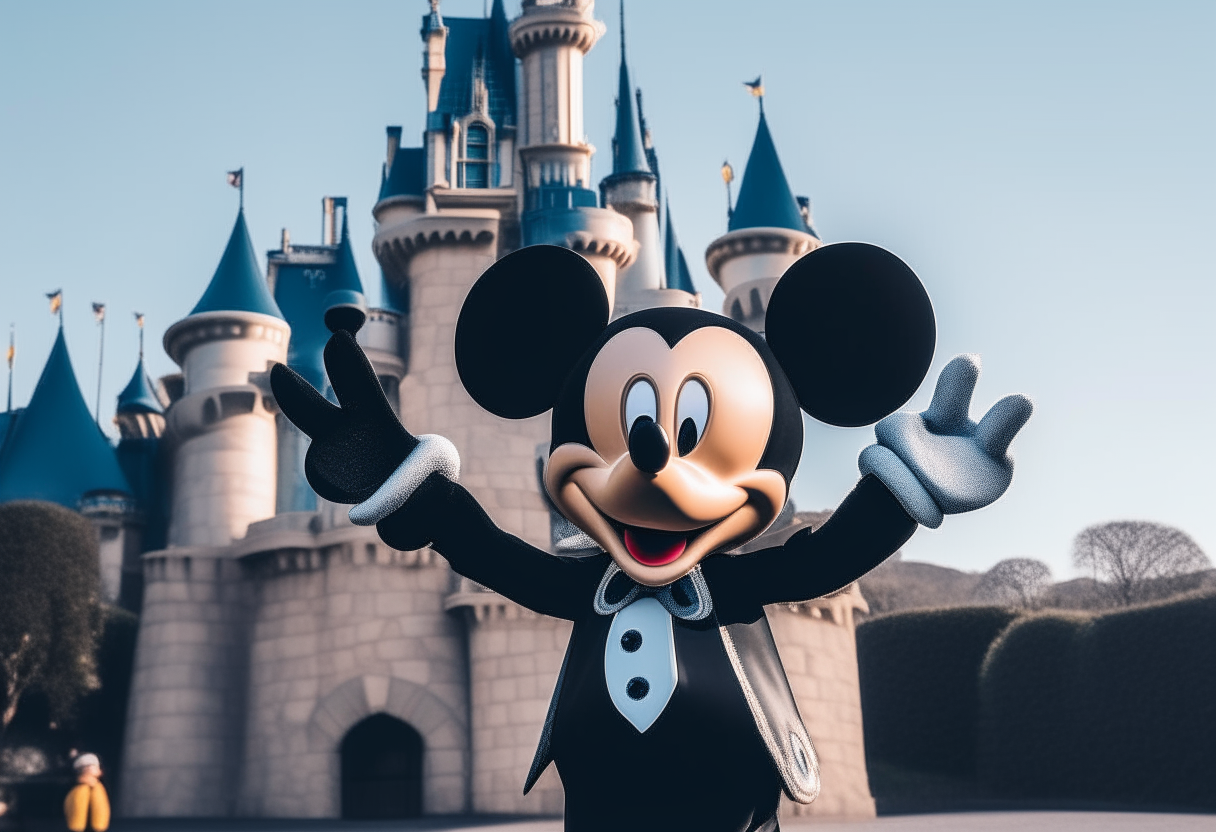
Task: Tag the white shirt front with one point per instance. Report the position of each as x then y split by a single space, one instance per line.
640 662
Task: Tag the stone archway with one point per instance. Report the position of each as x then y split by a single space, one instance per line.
381 765
444 733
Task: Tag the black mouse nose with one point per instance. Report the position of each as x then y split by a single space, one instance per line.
648 446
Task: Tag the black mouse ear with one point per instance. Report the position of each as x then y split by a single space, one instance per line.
524 325
853 329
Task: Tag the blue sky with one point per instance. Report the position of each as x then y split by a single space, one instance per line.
1048 168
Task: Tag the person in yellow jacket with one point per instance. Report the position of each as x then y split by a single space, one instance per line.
87 807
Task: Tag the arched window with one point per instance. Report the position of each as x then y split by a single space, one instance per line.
477 157
381 770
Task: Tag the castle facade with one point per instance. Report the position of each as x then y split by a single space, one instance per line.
289 663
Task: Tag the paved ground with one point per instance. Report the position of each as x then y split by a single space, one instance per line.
960 822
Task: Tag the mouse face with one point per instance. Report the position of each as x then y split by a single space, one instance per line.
676 432
669 470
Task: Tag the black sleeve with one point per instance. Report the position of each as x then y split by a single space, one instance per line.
446 516
867 529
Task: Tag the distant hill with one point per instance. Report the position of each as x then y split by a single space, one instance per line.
898 584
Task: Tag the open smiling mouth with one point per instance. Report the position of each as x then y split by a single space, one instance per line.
652 547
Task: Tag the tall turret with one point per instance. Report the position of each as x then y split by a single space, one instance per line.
560 208
183 742
223 425
768 230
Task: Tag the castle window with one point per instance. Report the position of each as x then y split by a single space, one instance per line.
476 173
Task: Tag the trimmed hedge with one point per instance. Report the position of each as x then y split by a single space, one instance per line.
919 676
1118 707
1026 736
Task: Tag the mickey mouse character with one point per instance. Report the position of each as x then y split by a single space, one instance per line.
675 436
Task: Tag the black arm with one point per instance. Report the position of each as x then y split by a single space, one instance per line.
356 447
864 531
445 515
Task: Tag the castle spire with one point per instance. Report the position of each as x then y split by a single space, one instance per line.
237 285
765 199
628 151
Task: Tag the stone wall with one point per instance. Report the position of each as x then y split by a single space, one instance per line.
343 630
514 657
183 740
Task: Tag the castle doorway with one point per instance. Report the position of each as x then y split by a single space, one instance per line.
381 770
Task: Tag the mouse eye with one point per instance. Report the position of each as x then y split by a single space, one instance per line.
640 400
692 412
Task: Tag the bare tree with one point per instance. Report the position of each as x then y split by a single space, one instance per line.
1017 582
1130 556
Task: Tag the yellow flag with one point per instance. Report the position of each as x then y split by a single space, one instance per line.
56 299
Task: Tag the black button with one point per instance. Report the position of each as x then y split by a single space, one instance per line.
637 688
631 641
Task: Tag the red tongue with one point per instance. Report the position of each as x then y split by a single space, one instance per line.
654 548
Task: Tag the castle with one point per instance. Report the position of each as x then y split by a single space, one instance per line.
290 664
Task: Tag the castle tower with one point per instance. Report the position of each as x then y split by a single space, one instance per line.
141 422
768 231
56 452
184 742
224 435
559 207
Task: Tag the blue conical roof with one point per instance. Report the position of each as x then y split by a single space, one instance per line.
678 275
765 198
238 285
56 452
139 396
628 151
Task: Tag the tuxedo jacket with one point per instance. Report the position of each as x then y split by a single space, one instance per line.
730 738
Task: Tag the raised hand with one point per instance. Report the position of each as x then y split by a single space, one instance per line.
940 461
356 446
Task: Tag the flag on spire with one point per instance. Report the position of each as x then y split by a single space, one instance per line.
756 87
12 348
236 178
139 322
99 311
56 299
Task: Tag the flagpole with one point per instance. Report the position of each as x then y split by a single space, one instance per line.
101 352
728 176
12 352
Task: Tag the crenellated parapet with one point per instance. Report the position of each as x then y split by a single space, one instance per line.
560 23
747 264
395 245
